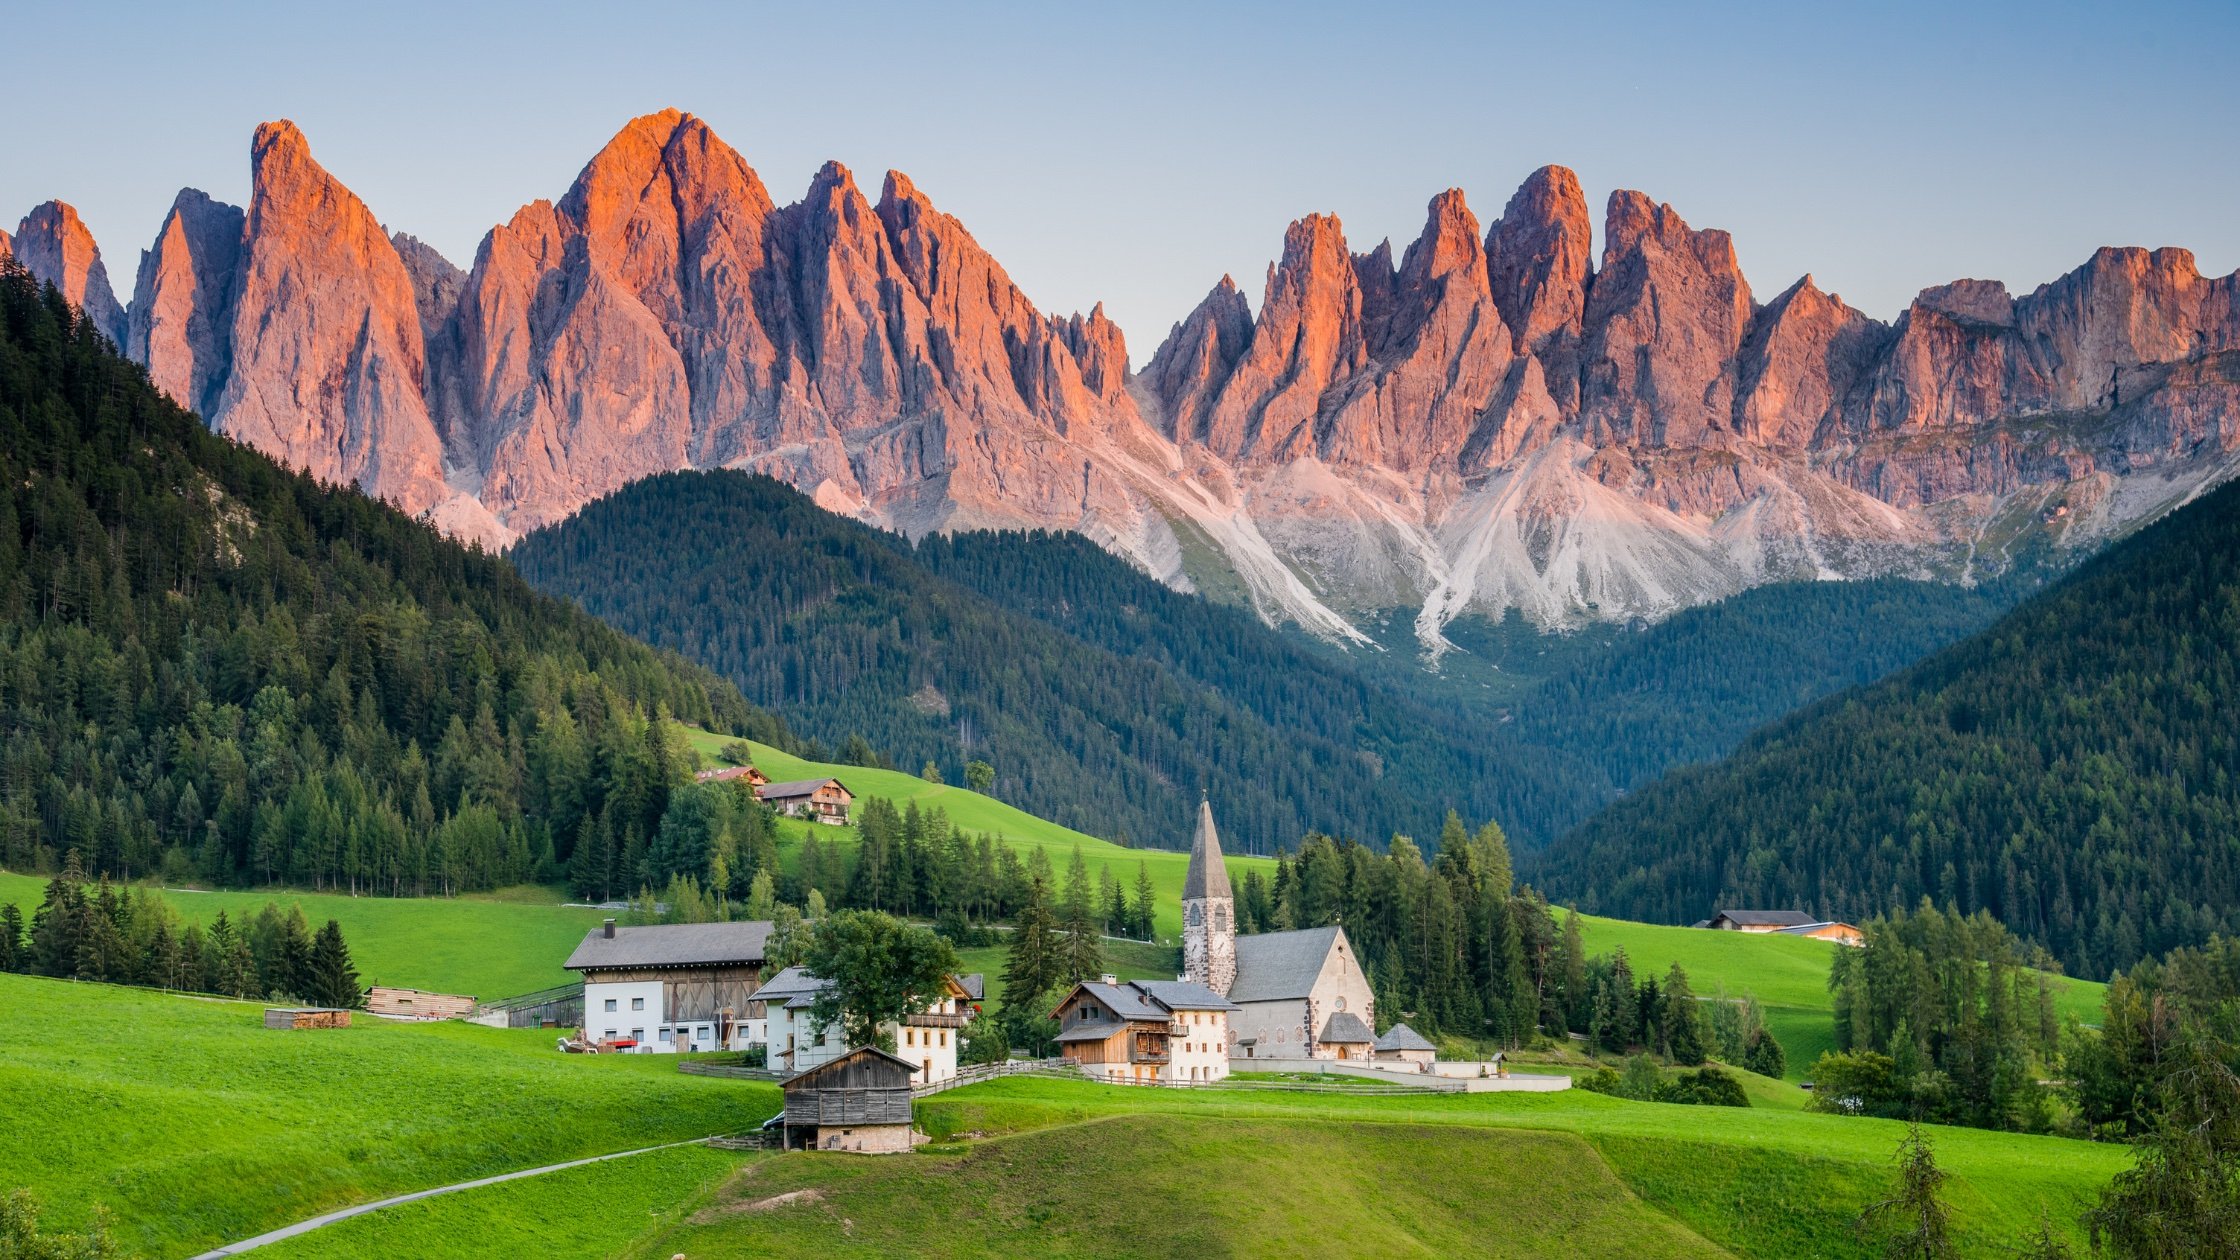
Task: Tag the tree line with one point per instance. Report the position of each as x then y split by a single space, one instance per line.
95 930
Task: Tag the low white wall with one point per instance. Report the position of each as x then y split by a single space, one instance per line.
1514 1083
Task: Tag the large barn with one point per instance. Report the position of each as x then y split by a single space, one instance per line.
673 987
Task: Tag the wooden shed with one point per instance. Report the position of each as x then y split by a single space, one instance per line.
859 1102
306 1017
395 1003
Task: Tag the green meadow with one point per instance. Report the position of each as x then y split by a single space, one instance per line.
195 1125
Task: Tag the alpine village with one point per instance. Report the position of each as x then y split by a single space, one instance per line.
612 708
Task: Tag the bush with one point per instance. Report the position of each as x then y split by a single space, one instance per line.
1704 1087
1600 1081
1860 1083
1763 1054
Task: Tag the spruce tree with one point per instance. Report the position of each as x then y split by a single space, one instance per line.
1914 1221
1683 1029
1144 915
332 980
13 951
1084 952
1033 961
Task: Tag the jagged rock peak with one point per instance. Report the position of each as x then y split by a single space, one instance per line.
181 323
1538 258
1805 352
1664 319
57 247
1190 367
1101 351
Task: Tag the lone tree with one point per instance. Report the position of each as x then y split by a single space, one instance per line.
1915 1222
332 979
880 969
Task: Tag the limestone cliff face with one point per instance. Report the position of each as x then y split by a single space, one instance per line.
327 353
1494 420
54 245
182 303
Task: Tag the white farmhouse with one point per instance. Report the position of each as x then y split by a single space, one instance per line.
1171 1031
1298 995
673 987
928 1040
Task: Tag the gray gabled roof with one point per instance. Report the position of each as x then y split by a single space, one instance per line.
1345 1027
672 945
1095 1031
1207 876
1185 995
1766 918
1402 1037
792 983
1125 1001
975 985
1277 966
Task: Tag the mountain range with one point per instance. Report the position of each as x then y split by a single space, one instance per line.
1493 420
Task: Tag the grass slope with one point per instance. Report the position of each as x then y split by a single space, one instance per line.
490 947
596 1210
974 812
197 1126
1759 1182
1169 1184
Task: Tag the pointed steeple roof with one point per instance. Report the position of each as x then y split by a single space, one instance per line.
1208 877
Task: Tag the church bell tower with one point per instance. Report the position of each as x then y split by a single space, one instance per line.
1209 912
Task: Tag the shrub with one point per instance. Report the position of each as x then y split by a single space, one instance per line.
1704 1087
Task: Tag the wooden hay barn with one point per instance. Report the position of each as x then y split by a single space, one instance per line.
306 1017
390 1002
859 1102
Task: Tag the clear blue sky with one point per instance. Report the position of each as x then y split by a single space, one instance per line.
1133 153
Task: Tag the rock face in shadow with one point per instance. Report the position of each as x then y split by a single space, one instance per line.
1496 420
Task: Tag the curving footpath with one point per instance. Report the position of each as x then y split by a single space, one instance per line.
343 1214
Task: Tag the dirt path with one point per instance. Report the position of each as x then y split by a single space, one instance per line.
343 1214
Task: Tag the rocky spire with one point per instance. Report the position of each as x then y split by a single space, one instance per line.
1662 326
57 248
181 324
1209 919
1537 257
328 357
1194 362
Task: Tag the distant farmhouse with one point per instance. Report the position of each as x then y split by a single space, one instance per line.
1173 1031
821 800
1298 995
669 988
927 1040
1784 923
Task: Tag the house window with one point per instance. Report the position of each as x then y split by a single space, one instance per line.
944 1036
637 1034
909 1038
637 1004
666 1035
610 1034
701 1032
610 1004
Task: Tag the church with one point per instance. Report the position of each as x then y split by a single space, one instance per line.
1298 995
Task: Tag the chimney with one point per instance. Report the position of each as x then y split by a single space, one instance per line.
610 929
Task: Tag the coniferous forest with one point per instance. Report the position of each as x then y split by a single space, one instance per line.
2074 770
213 668
1103 700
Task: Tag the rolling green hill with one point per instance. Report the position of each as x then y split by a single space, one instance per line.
2074 770
196 1125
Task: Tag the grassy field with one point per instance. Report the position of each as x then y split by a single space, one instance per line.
196 1126
974 812
490 947
1759 1182
1159 1185
596 1210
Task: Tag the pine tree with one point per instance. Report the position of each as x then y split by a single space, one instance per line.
1084 952
1033 964
13 951
1143 916
1683 1031
332 980
290 970
1914 1220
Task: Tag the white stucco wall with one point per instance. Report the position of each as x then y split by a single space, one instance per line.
637 1005
1202 1053
793 1030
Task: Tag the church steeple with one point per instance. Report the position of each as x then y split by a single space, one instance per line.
1209 912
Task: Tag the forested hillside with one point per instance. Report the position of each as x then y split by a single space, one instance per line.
2074 770
213 668
1103 700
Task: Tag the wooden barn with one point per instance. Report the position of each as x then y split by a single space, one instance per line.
391 1002
820 800
859 1102
306 1017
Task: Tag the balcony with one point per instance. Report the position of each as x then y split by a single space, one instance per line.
924 1020
1149 1056
1178 1030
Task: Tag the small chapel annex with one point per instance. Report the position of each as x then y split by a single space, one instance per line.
1297 995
